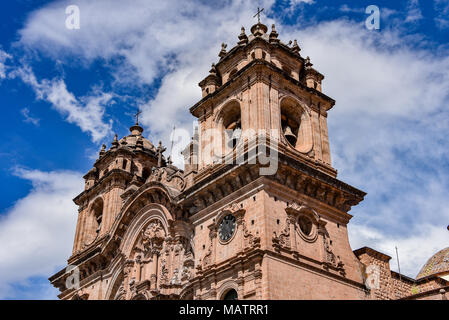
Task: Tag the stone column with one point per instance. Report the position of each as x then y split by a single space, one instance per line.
240 230
138 268
154 267
292 220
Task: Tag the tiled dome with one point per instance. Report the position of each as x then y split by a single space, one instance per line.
437 264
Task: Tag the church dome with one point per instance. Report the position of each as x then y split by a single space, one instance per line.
436 265
136 136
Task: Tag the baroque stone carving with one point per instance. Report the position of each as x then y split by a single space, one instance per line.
153 236
250 240
168 176
330 259
282 240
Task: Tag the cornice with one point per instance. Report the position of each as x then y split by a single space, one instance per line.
243 71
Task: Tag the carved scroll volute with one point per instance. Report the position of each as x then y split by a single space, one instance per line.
322 232
239 214
127 276
209 257
329 259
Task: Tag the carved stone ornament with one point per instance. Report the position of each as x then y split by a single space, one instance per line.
153 236
330 259
250 240
282 240
168 177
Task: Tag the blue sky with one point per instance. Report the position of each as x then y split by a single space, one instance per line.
65 92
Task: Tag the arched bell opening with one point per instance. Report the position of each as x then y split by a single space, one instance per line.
296 125
93 222
97 212
232 125
290 120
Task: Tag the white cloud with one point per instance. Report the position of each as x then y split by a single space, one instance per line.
3 57
414 13
37 232
28 118
176 39
387 130
442 13
86 112
413 250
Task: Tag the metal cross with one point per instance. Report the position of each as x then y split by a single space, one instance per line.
258 14
138 113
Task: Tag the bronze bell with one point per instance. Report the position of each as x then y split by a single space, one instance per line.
234 137
289 133
232 126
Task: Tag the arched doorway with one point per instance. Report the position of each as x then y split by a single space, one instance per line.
231 295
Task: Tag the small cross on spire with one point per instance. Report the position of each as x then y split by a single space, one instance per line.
138 113
259 11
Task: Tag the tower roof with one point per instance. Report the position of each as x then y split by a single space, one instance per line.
436 265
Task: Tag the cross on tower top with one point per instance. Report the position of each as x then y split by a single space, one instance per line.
259 11
138 113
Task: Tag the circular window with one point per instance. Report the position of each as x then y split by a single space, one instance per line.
306 225
227 228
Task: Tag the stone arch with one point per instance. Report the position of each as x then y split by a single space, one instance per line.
226 287
116 291
229 124
139 296
310 212
116 280
307 220
187 295
151 192
295 118
94 220
147 214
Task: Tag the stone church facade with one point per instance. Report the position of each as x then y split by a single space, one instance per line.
258 211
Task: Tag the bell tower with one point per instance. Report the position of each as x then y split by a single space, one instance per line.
264 85
117 172
280 235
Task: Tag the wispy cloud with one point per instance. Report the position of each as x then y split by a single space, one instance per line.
36 233
3 57
388 130
414 13
385 136
28 118
442 13
86 112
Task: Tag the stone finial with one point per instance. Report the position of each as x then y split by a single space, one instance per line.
223 50
160 149
243 39
115 142
103 150
213 69
296 47
274 35
308 64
